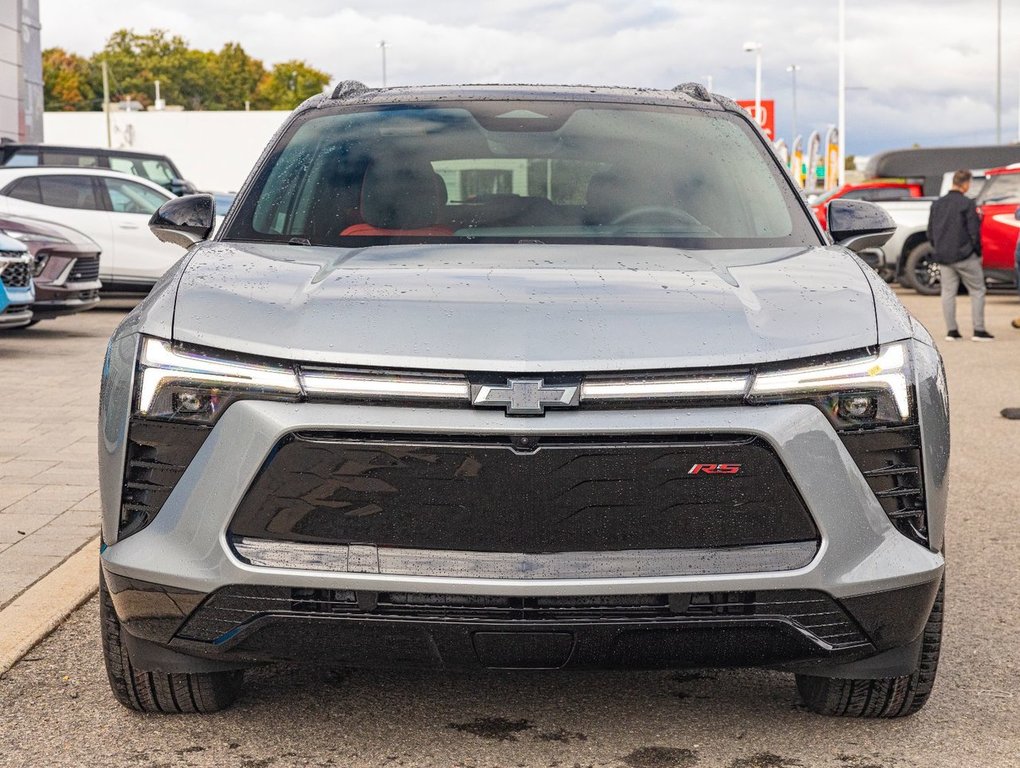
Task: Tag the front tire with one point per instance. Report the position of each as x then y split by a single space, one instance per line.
920 272
884 696
153 691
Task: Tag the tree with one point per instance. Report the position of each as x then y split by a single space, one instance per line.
66 85
288 85
237 77
187 76
136 61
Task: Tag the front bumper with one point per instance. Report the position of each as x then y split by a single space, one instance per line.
15 316
68 299
859 557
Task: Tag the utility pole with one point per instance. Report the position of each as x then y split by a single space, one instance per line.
382 47
755 48
792 69
998 72
841 92
106 102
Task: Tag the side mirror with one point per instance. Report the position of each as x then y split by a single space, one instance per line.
182 187
185 220
858 225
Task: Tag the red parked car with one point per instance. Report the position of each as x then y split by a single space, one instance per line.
876 190
997 206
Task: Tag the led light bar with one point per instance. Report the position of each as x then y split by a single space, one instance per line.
663 388
886 371
343 384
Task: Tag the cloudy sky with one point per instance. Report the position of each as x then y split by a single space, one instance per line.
919 71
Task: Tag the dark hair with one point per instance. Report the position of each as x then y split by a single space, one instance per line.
962 177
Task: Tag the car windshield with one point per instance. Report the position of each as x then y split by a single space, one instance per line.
1000 188
534 171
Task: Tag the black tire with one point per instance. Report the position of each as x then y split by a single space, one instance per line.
920 272
884 696
169 693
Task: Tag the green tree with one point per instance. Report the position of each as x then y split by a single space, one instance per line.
288 84
187 76
137 60
66 85
237 77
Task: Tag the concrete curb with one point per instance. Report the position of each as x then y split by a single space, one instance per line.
42 607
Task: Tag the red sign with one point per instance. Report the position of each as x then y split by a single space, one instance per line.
767 119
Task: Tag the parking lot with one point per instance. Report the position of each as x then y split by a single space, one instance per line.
58 710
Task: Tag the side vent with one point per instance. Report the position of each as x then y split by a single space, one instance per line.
890 460
158 453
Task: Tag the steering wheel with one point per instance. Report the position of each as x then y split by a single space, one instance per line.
651 214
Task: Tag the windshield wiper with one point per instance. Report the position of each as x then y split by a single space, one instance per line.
299 241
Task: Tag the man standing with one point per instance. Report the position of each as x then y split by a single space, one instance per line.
955 233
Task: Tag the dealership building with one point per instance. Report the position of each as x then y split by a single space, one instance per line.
21 82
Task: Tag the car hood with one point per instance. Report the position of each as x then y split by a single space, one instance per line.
525 307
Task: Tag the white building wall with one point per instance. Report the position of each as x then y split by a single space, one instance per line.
215 150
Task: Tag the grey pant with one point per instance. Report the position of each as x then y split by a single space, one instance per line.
973 276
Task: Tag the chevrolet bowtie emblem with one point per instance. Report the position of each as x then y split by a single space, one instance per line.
525 397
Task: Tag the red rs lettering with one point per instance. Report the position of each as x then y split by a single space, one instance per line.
714 469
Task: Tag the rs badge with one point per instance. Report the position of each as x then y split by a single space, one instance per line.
714 469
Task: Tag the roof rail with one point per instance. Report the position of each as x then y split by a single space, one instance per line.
348 89
694 90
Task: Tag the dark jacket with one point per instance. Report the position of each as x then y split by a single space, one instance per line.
954 229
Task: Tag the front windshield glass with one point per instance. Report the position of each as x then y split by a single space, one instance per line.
1000 188
535 171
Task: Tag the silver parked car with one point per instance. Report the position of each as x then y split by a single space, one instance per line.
504 377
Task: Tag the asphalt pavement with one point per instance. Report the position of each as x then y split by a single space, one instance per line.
57 710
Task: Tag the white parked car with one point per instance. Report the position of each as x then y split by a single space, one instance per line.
110 207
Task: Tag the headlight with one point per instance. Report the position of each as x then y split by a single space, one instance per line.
872 390
190 386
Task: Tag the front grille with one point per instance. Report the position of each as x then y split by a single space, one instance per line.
84 270
526 494
890 460
157 455
16 275
227 610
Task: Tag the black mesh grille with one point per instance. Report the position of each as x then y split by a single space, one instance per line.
84 271
561 494
157 455
229 608
890 460
16 275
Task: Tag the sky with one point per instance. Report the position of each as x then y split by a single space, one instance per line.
918 71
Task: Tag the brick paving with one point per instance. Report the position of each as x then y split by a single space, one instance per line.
49 497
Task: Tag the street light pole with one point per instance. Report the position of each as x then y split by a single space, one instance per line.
755 48
841 88
792 69
382 47
998 72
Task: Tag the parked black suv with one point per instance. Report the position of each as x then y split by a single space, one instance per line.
159 169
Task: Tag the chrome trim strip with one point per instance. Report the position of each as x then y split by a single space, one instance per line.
399 561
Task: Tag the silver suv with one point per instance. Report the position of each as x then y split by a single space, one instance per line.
504 377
